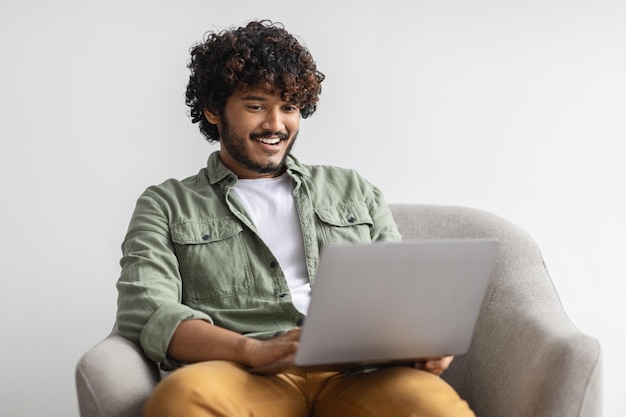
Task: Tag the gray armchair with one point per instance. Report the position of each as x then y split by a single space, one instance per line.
527 359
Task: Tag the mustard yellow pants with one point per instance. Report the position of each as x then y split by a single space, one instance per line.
225 389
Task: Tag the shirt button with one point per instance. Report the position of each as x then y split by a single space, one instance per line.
283 295
351 219
300 322
273 264
206 237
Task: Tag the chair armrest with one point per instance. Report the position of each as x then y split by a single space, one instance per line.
527 359
114 379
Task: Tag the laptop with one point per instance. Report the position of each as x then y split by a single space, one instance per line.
394 303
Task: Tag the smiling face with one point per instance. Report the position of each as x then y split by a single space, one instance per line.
257 131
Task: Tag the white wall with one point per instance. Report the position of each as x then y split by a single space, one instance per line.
513 107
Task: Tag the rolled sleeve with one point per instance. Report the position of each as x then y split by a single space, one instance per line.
384 226
150 286
159 329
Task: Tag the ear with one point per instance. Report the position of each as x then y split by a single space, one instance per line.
211 116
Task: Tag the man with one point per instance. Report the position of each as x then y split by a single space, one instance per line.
217 268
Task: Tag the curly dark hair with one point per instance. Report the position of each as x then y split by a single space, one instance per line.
260 55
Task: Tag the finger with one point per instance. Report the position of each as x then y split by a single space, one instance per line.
293 334
425 364
433 366
440 365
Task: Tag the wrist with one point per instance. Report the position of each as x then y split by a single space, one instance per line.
246 350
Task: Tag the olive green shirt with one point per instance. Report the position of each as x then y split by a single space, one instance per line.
192 252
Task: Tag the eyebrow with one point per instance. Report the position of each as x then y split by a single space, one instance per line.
254 98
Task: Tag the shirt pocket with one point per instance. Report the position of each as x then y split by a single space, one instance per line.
345 223
212 260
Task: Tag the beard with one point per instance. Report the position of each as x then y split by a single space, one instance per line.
235 144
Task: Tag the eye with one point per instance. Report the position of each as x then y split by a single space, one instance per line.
291 108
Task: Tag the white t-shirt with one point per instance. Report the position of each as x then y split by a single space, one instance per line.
270 204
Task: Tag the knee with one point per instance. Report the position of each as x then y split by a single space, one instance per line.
190 391
410 392
431 395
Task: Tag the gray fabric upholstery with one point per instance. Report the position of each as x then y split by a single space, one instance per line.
527 359
114 379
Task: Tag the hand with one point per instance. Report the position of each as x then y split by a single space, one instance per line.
274 355
435 365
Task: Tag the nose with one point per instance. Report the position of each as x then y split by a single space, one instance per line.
273 121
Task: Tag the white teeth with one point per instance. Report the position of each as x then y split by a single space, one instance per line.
269 141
